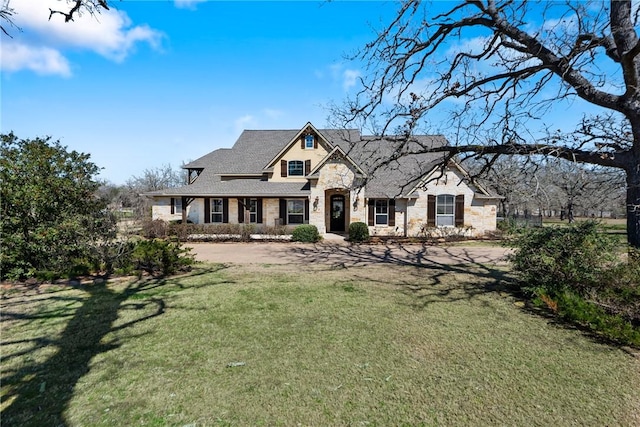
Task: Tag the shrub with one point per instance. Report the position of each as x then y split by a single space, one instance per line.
358 232
552 259
154 229
160 257
575 272
306 233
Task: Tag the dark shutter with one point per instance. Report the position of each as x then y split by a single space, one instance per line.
173 206
303 142
225 210
240 211
431 211
307 167
259 211
315 142
207 210
306 211
392 212
283 168
459 213
372 211
283 211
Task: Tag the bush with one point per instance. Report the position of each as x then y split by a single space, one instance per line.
358 232
160 257
306 233
552 259
155 229
576 272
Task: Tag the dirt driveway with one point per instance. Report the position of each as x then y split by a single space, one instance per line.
346 255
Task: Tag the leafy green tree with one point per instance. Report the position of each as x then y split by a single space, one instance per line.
52 220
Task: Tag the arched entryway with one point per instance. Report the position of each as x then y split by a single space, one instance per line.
337 210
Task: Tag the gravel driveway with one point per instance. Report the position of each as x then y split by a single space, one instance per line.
343 254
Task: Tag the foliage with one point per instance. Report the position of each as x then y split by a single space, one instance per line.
51 219
160 257
553 259
575 271
306 233
358 232
161 229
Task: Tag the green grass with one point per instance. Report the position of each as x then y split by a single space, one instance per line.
313 346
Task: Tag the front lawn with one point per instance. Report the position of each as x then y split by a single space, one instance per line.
314 346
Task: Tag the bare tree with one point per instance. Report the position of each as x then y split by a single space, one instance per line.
503 65
153 179
73 8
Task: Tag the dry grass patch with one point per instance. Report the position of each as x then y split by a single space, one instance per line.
282 345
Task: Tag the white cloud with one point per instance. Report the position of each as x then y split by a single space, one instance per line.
244 122
110 34
349 78
43 60
188 4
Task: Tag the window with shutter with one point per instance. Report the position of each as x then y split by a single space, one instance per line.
296 168
217 211
382 212
176 205
445 210
295 211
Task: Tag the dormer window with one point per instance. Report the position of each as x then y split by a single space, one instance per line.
309 142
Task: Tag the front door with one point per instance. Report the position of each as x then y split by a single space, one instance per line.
337 213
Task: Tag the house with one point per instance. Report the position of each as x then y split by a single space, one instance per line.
329 178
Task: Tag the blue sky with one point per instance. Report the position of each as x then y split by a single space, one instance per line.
156 82
150 83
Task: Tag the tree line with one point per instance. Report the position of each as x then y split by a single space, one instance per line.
555 188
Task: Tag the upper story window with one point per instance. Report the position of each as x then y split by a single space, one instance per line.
309 142
296 168
445 210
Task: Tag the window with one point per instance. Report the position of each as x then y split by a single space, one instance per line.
253 210
296 168
295 211
216 210
308 142
176 205
382 212
444 210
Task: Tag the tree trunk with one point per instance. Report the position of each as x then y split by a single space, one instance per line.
633 206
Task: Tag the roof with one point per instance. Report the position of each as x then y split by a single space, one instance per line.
392 167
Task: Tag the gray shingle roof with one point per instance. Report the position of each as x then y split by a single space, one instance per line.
393 167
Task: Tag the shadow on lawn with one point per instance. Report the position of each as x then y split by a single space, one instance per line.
39 393
439 262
